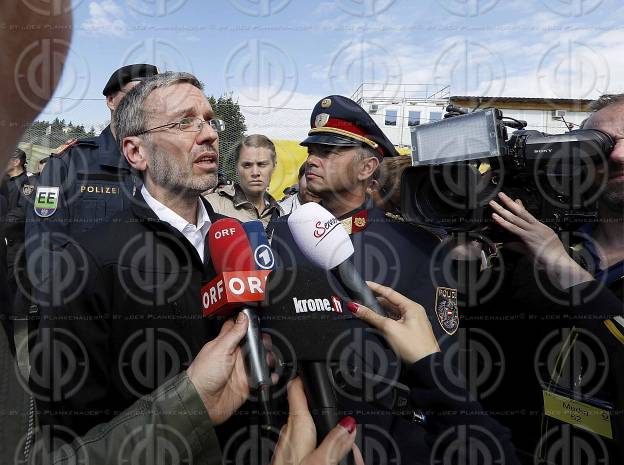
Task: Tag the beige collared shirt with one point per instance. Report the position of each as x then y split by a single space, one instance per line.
231 201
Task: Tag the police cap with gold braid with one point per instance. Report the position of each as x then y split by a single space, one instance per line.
338 120
126 74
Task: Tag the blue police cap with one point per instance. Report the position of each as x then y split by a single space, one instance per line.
338 120
127 74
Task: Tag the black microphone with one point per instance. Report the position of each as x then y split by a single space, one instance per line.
329 348
319 389
324 242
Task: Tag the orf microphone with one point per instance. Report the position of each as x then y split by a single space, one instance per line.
325 242
241 283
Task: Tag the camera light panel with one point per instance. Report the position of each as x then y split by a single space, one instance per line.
461 138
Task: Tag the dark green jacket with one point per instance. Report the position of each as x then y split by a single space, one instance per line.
172 421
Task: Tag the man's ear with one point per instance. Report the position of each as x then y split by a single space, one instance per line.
110 101
367 168
135 152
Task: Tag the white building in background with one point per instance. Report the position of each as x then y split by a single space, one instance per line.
397 108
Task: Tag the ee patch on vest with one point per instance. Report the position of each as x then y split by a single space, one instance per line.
446 309
46 201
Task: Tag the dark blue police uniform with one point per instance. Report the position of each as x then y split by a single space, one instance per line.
94 183
13 228
406 258
80 188
83 186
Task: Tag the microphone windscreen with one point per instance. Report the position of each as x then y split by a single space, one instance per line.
320 236
229 247
308 321
262 253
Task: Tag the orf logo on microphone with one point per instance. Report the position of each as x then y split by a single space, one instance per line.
226 232
230 289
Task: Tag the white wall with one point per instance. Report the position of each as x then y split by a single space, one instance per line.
400 133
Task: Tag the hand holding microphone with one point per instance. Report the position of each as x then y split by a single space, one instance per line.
410 335
324 242
243 271
297 441
218 372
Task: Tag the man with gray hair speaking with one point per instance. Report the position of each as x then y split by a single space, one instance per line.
131 289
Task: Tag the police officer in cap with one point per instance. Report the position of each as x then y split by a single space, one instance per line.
84 184
345 147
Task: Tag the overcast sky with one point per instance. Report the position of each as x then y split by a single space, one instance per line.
290 53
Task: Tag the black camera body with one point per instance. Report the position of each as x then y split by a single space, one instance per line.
461 163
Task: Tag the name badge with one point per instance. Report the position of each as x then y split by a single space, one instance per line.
579 414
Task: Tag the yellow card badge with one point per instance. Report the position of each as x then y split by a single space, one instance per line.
579 414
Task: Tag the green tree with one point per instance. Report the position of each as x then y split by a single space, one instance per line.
228 109
60 132
57 134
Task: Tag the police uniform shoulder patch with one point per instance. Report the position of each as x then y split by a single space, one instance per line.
446 309
27 189
46 200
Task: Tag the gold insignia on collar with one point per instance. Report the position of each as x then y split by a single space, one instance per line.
348 225
326 103
321 120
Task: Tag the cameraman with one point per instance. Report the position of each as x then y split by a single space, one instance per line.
534 301
608 232
594 312
602 253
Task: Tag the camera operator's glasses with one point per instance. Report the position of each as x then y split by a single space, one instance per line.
191 125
